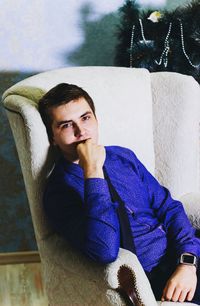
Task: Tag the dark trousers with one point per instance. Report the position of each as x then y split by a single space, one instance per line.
159 276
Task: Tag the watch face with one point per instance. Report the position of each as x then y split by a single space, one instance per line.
190 259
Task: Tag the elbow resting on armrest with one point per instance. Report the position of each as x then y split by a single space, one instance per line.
104 256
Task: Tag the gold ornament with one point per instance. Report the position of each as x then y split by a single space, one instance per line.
155 16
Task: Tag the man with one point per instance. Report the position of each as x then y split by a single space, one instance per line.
79 206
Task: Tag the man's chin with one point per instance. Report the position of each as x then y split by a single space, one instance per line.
71 159
71 156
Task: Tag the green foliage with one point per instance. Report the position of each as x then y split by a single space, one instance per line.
170 44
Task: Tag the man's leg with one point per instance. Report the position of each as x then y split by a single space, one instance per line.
159 276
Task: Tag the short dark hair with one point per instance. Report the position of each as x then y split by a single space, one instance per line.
61 94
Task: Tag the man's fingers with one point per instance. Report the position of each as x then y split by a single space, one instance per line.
171 293
164 294
176 294
181 285
182 296
88 140
190 295
81 143
168 291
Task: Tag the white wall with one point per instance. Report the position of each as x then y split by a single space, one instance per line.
35 34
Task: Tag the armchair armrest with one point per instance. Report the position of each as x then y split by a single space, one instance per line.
126 275
137 278
191 203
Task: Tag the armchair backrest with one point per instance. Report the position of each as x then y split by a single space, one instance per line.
123 103
149 113
176 118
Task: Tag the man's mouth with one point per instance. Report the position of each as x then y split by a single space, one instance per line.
82 141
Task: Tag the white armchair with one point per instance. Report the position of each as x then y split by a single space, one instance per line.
157 115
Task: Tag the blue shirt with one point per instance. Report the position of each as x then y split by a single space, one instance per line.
83 213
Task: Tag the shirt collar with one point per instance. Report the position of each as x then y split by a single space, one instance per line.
72 168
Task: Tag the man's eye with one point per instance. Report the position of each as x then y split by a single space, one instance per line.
86 118
66 125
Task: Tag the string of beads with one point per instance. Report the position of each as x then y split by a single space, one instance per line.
131 46
164 56
183 46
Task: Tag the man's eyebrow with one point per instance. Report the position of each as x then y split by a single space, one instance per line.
67 121
63 122
86 113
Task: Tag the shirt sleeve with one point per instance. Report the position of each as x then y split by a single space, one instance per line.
90 223
171 214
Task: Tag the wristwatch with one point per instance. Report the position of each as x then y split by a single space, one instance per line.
188 259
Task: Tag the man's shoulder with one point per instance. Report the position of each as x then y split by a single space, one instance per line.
122 152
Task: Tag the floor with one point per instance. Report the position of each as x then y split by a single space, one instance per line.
21 285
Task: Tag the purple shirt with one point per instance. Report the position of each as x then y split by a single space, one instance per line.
83 213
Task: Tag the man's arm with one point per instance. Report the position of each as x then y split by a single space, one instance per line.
88 221
91 159
170 213
182 284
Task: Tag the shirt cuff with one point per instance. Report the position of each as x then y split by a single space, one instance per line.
193 249
96 185
98 188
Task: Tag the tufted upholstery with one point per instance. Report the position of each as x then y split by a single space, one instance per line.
157 115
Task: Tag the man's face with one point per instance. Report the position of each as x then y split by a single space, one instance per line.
72 123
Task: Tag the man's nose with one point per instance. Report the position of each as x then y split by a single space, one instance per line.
79 131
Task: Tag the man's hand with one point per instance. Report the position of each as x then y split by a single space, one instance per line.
181 285
91 158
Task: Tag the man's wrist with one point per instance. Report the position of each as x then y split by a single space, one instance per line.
187 267
188 259
93 172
